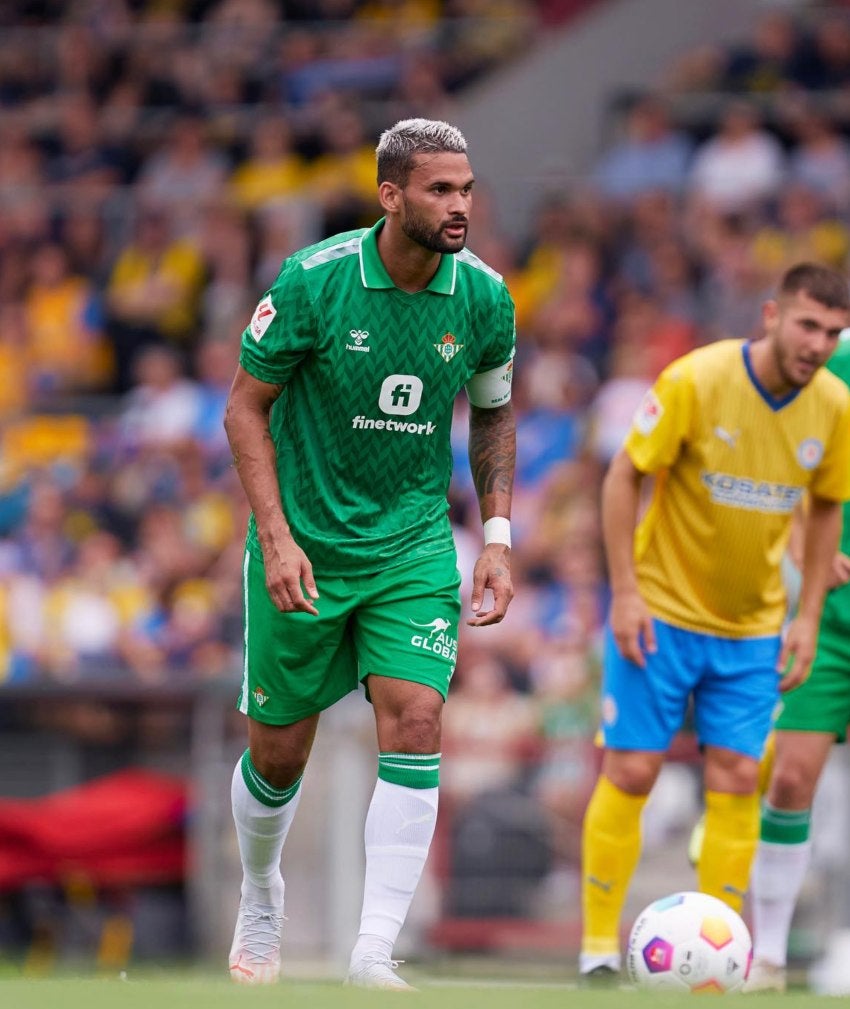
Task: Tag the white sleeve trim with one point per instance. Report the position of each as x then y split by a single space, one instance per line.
490 389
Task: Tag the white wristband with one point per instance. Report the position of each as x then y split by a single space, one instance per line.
497 530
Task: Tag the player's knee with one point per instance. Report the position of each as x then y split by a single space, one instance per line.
791 786
416 729
632 773
281 766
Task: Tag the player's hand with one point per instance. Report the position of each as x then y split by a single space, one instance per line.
839 573
289 577
797 652
632 627
492 571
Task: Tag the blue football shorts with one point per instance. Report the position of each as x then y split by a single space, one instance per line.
733 683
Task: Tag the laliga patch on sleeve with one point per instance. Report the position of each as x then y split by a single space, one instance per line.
262 318
648 413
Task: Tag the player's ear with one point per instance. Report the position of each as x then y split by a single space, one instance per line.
389 196
769 313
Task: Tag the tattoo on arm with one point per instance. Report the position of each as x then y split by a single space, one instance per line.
492 451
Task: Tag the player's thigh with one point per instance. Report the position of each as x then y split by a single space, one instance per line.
644 707
736 696
822 702
407 624
295 664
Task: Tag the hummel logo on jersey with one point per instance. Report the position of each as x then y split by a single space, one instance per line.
436 626
358 336
448 348
728 437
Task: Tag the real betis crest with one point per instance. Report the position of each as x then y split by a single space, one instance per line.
447 348
260 696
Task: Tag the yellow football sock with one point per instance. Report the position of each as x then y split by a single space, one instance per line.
731 835
611 841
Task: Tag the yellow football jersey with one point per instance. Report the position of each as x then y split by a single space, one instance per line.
731 463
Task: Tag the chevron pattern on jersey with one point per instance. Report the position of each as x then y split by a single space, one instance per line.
363 427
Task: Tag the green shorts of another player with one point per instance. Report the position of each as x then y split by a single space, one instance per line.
401 622
822 702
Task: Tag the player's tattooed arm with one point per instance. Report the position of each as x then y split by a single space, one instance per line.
492 458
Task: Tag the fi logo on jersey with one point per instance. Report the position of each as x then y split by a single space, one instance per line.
400 394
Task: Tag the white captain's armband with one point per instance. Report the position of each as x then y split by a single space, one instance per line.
491 388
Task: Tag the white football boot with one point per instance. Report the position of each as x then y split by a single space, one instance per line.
255 953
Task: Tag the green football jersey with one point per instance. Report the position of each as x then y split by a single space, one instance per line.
839 364
370 374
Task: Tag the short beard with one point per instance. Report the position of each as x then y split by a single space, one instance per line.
786 375
434 241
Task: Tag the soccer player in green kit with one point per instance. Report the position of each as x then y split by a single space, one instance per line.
339 421
813 717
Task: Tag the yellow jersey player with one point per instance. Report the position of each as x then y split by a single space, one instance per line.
734 433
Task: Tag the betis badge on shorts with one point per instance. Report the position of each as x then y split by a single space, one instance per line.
447 348
260 696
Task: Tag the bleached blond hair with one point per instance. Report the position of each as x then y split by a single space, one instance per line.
401 143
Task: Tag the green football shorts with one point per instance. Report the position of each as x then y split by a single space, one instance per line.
402 622
822 702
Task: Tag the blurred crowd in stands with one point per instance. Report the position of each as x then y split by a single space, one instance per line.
159 160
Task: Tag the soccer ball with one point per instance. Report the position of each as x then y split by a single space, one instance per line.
689 942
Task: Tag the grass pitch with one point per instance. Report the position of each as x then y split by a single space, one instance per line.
188 991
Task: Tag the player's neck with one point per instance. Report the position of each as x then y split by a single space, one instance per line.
766 370
410 266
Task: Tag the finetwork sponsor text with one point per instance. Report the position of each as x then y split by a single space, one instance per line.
362 423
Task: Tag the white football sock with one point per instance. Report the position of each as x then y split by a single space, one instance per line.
260 831
399 827
777 877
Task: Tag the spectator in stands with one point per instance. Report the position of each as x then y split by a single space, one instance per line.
67 351
83 170
281 229
153 292
14 359
185 173
820 156
489 730
342 178
272 169
803 229
739 167
88 609
651 155
162 409
225 242
768 60
214 365
826 63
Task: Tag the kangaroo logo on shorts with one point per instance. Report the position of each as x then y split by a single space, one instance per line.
260 696
437 641
435 626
